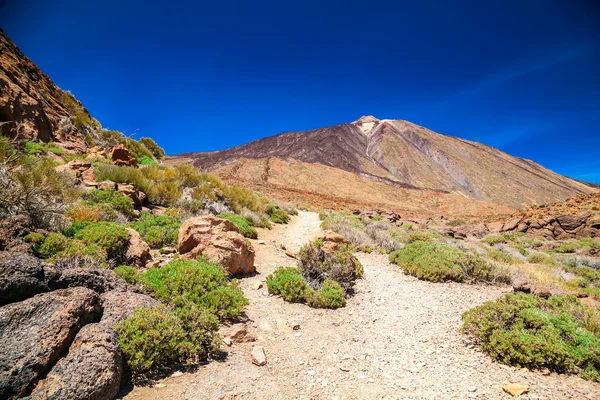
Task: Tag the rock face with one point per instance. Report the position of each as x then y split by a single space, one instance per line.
130 191
32 107
121 156
91 370
399 154
121 305
22 276
219 240
136 250
36 331
12 230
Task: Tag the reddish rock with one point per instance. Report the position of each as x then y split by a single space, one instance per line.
258 356
130 191
511 224
96 151
219 240
570 222
331 241
137 251
107 185
121 156
495 227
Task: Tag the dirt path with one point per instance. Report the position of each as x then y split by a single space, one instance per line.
397 338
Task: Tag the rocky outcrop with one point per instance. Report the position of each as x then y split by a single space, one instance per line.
121 156
12 230
137 196
219 240
35 332
22 276
137 251
331 241
98 280
91 369
32 107
81 169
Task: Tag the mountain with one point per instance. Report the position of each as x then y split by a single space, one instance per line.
400 154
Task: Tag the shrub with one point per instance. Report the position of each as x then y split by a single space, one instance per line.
53 244
157 336
75 227
182 282
130 274
439 262
333 294
137 149
540 258
592 245
34 238
243 224
456 222
566 247
288 283
528 331
157 230
145 160
494 239
84 213
419 236
109 236
502 257
316 266
114 199
157 151
79 255
277 215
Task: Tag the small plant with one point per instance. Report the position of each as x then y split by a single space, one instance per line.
157 151
566 247
419 236
333 294
456 222
502 257
84 213
183 282
288 283
527 331
34 238
137 149
112 198
592 245
158 336
145 160
439 262
53 244
277 215
109 236
157 230
130 274
540 258
243 224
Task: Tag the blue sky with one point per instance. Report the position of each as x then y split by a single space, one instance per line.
523 76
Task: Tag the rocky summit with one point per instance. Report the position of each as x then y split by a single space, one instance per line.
397 153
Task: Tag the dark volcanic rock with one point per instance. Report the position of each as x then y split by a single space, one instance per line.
36 332
570 222
91 370
12 230
120 305
99 280
21 276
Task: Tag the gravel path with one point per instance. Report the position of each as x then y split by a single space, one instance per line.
397 338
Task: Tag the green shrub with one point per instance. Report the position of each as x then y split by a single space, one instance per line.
419 236
277 215
109 236
137 149
439 262
182 282
288 283
157 151
145 160
540 258
494 239
53 244
114 199
592 245
157 336
502 257
34 238
81 249
317 266
130 274
41 148
456 222
566 247
333 294
528 331
243 224
75 227
157 230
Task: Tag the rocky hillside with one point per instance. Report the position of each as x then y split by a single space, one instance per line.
402 154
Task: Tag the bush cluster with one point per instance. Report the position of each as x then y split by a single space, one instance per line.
317 266
277 215
524 330
439 262
109 236
289 283
157 230
243 224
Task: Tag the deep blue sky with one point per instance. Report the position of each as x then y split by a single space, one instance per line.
523 76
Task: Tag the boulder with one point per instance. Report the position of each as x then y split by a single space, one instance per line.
477 230
98 280
130 191
219 240
331 241
494 227
12 230
570 222
594 222
511 224
120 305
137 251
34 333
107 185
121 156
91 370
543 290
22 277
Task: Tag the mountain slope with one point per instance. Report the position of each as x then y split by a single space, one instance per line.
403 154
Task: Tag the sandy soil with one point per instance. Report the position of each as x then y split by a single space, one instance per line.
397 338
